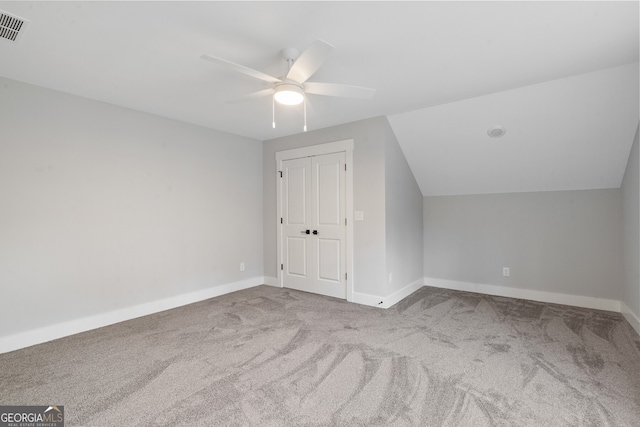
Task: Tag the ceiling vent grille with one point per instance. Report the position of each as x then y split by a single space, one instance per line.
10 26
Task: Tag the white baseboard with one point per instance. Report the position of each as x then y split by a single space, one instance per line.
390 300
367 299
71 327
401 294
272 281
542 296
631 317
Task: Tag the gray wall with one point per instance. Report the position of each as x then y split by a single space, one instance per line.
631 230
404 223
566 242
104 207
369 197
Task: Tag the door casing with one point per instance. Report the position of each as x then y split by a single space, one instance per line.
345 146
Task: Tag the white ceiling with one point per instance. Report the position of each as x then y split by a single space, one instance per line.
444 73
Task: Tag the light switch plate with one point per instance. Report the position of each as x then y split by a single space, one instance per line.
359 215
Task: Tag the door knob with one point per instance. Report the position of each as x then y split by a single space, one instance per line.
305 232
315 231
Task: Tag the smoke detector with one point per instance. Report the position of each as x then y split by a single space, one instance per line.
11 26
496 131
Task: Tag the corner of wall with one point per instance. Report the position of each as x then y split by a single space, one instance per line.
404 244
272 281
631 317
630 191
389 300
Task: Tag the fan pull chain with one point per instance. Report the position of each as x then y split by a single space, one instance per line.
305 114
273 112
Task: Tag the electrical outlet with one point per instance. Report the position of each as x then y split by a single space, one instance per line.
506 272
242 266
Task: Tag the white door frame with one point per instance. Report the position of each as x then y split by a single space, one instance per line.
345 146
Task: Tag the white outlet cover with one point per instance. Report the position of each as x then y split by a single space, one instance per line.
359 215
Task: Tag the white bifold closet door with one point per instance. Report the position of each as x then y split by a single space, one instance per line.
313 224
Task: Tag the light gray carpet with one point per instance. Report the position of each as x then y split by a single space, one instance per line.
275 357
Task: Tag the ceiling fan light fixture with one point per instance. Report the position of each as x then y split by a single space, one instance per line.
289 94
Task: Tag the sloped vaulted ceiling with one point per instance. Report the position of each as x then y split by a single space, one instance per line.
568 134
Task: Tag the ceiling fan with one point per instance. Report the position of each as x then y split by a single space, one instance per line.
293 87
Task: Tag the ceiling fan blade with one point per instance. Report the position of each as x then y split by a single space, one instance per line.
242 69
309 61
336 89
254 95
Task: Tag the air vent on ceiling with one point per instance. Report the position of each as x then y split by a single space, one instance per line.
496 131
10 26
